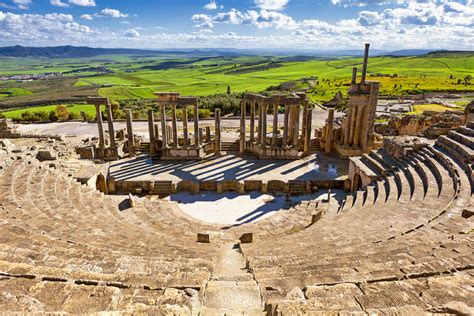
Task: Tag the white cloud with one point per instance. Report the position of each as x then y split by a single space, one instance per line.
272 5
59 3
22 4
83 3
53 28
212 5
59 17
113 13
132 33
261 19
87 17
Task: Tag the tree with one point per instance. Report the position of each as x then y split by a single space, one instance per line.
115 107
53 117
467 79
62 112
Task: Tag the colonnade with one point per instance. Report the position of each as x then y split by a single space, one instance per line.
258 107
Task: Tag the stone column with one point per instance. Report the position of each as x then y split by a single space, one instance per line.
197 139
164 138
286 127
296 129
259 127
100 125
252 122
357 126
110 121
243 109
151 131
347 127
217 145
352 125
208 134
275 124
263 135
303 125
307 134
131 139
184 117
174 125
329 131
157 134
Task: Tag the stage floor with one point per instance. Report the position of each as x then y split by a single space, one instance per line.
230 167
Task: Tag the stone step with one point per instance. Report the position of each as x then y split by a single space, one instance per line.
450 144
466 131
461 138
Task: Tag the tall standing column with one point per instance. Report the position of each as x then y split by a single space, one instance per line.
252 122
358 124
100 125
151 131
275 124
263 140
243 110
197 142
329 131
174 126
259 127
157 134
296 130
131 139
185 125
217 144
164 138
285 126
110 121
347 127
352 125
307 134
303 125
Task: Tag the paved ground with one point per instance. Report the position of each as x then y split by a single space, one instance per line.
230 167
84 130
231 208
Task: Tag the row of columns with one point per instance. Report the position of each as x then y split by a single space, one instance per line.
153 130
98 102
290 126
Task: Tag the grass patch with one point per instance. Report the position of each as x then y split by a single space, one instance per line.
74 108
419 109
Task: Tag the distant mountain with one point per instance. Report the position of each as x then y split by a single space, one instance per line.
81 52
69 51
408 52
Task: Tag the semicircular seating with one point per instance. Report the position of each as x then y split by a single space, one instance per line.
402 244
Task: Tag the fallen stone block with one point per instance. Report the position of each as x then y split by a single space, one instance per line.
46 155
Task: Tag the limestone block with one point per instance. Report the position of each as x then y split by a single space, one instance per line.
46 155
202 237
246 238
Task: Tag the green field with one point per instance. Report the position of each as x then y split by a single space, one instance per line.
74 108
135 78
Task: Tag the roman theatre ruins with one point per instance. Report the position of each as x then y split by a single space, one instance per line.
269 213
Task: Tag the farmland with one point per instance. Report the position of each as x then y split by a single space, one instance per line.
128 77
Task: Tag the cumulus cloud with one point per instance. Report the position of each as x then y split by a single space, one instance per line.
87 17
113 13
105 13
132 33
272 5
59 3
260 19
36 28
212 5
82 3
22 4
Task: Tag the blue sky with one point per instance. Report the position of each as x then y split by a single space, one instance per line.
268 24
